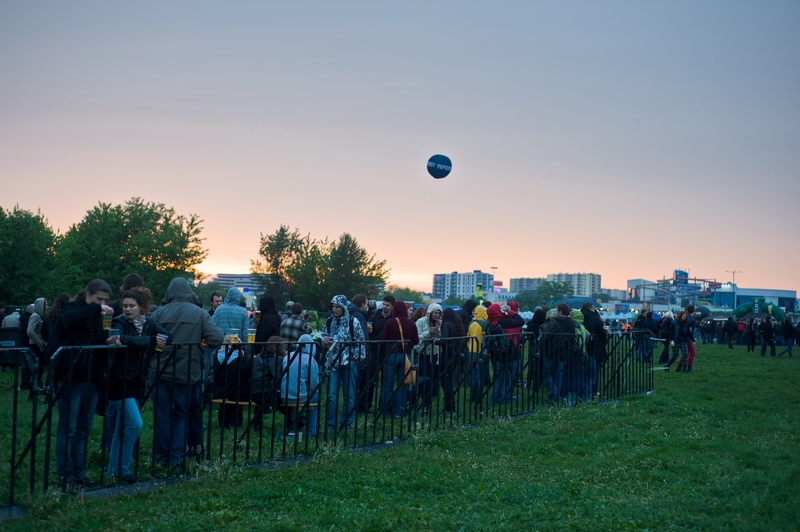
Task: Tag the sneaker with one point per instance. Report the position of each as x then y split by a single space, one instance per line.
129 479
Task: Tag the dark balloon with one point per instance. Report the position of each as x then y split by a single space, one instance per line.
439 166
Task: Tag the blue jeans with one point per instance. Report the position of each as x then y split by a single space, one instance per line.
788 342
764 344
126 432
344 378
171 402
503 381
478 373
393 390
109 423
553 374
590 379
76 409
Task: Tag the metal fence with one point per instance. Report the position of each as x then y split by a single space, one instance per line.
197 404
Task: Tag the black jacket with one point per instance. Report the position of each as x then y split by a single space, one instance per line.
81 324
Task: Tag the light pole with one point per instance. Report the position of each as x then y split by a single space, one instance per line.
733 283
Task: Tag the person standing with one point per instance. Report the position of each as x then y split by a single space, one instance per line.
177 374
37 343
558 341
730 331
690 347
596 349
215 300
344 340
400 336
230 317
680 340
453 344
750 334
368 376
295 326
270 323
429 330
505 362
767 336
79 375
125 379
477 361
789 336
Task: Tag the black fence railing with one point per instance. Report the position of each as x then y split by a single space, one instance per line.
190 404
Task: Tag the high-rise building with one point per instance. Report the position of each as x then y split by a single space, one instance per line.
460 285
583 284
521 284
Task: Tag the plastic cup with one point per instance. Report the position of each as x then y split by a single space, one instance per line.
369 327
165 337
107 321
114 332
251 336
233 336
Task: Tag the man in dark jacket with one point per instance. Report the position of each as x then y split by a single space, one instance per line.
767 336
178 371
557 345
730 331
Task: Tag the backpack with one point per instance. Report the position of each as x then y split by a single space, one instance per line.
496 342
561 344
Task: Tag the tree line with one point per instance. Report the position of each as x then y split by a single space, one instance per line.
154 241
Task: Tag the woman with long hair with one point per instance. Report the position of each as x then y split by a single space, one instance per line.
78 374
126 378
681 336
453 343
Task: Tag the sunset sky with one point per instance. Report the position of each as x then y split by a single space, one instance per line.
625 138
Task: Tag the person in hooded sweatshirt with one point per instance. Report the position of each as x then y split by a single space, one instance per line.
476 363
428 350
300 386
557 339
230 316
177 373
37 343
505 364
344 338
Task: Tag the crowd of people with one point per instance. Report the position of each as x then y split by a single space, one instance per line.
381 359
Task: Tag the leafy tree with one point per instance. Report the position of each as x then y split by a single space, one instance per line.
351 270
546 295
453 301
402 293
308 273
138 237
27 257
279 252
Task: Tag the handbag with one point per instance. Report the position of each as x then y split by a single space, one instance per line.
410 374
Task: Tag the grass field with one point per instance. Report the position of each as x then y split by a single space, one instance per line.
716 449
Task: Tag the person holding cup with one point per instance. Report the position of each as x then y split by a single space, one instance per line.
126 377
79 377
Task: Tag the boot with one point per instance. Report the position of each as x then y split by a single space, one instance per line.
688 369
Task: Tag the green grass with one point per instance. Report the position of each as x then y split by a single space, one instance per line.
713 450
